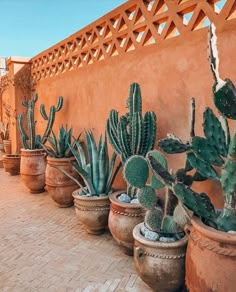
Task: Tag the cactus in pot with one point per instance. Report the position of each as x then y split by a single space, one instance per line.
132 134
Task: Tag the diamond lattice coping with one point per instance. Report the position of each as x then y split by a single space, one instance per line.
133 25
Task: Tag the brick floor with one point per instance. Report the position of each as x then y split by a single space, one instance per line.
44 248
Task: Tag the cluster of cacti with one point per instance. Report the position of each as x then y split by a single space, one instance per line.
216 149
98 173
31 140
136 173
132 134
60 146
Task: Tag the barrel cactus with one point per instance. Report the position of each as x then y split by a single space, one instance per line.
132 134
216 150
31 140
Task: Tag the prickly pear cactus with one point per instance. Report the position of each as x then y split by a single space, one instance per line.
31 140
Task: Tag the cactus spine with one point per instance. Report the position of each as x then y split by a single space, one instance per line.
31 140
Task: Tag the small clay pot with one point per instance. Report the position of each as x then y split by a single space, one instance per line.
11 163
32 169
7 146
60 186
210 259
160 265
123 218
92 212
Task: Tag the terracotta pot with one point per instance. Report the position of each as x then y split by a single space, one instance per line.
11 163
123 218
92 212
60 186
32 169
160 265
210 259
7 146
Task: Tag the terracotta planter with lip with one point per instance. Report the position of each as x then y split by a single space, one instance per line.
32 169
160 265
11 163
7 146
60 186
92 212
123 218
210 259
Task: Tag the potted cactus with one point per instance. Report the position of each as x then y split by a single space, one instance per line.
98 172
33 156
129 135
211 253
160 243
60 186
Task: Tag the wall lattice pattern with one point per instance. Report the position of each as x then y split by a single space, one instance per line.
135 24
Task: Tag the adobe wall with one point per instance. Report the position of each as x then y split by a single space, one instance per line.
170 72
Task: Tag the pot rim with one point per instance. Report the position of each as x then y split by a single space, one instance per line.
84 198
212 233
114 199
55 159
11 156
157 244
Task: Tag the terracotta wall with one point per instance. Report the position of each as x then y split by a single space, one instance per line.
94 68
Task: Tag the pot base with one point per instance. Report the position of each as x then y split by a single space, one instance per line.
37 191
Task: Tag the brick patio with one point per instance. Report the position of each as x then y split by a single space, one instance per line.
44 248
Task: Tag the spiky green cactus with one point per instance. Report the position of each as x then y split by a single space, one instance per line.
98 171
31 140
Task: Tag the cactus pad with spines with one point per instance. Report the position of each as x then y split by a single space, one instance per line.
147 197
153 219
169 225
136 171
173 145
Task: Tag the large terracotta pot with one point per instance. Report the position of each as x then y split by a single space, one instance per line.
7 146
160 265
92 212
32 169
60 186
123 218
210 259
11 163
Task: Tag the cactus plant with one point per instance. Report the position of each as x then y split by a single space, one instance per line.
60 146
215 149
31 140
156 219
98 173
132 134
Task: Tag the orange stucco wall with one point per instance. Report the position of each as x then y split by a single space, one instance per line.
170 72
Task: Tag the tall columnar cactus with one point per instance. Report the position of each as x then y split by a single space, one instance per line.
216 149
132 134
31 140
136 173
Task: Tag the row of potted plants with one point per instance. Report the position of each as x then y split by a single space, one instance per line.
141 221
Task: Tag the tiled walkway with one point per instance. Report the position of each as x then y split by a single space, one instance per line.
44 248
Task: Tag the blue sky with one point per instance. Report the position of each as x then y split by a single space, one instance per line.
31 26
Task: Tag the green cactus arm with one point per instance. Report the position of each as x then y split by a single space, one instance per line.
38 142
24 103
43 112
153 219
149 135
50 122
203 167
62 144
31 124
214 132
173 144
206 151
24 137
113 139
192 128
136 139
113 120
59 104
102 170
124 140
134 100
93 158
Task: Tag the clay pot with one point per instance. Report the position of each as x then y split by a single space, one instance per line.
60 186
11 163
92 212
32 169
7 146
210 259
122 219
160 265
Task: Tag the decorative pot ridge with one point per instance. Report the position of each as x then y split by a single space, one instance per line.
161 265
219 250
